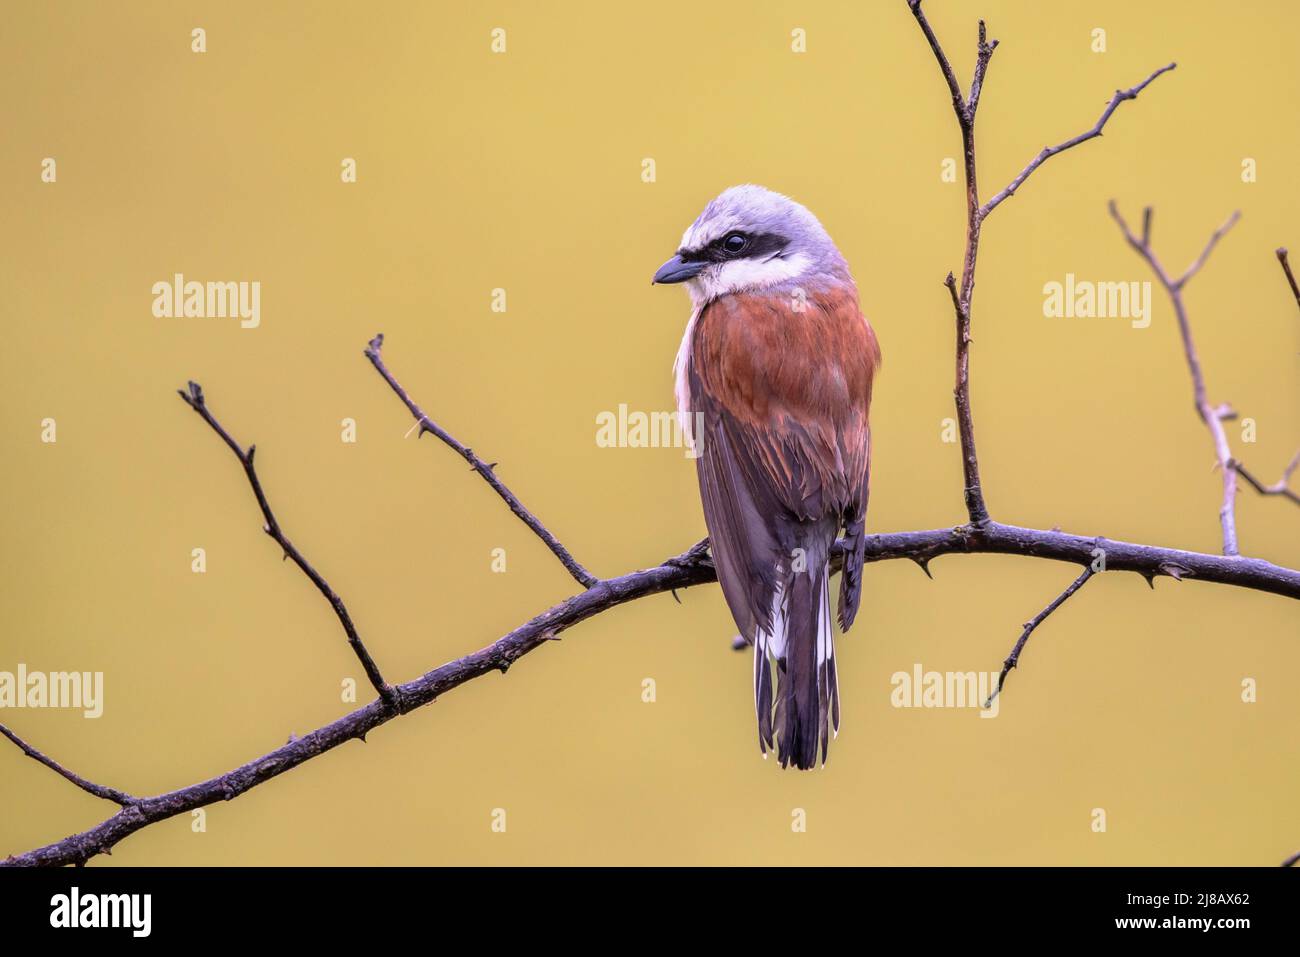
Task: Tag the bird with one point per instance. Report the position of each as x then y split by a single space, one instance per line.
773 385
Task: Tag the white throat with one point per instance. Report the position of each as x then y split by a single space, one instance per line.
740 275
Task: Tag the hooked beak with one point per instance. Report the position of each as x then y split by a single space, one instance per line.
677 270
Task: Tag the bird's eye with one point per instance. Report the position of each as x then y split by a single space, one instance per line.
735 243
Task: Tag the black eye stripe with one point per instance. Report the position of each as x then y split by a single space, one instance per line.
758 246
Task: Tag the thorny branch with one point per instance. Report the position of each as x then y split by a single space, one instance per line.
693 567
977 509
1013 659
965 108
1219 413
193 396
1212 415
1283 485
99 791
1049 151
488 471
981 535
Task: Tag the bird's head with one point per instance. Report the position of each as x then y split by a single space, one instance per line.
751 238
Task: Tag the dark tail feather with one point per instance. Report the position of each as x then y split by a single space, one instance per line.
851 575
763 697
807 690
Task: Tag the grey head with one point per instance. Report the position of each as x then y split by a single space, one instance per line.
751 238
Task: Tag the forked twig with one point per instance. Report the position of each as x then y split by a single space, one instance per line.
488 471
193 396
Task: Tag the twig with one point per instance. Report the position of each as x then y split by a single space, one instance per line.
108 794
983 54
193 397
1212 416
1048 152
958 101
1280 487
973 491
1290 276
1292 860
1213 241
965 109
1013 659
583 577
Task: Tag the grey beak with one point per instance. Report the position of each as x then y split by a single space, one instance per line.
677 270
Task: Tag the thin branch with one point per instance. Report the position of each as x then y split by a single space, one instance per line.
1212 416
1213 241
965 109
1292 860
693 567
1290 276
193 397
108 794
958 101
972 488
1048 152
1280 487
983 54
580 574
1283 485
1013 659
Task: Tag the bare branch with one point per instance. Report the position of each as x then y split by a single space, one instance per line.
1292 860
1212 416
983 54
1280 487
958 101
972 488
1013 659
1213 241
583 577
108 794
1290 276
193 397
965 108
1050 151
693 567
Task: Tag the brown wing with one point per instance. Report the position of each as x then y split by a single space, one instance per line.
782 396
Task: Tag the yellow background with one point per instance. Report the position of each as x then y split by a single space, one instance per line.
522 171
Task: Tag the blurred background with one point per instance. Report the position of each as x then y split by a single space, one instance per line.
522 171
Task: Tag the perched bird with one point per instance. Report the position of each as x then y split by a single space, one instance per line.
773 385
